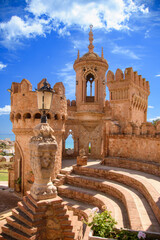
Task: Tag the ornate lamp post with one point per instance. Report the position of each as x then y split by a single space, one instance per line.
44 97
43 147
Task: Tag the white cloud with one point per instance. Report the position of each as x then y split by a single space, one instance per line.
18 27
61 15
153 119
5 110
124 51
158 75
67 75
99 13
151 107
2 66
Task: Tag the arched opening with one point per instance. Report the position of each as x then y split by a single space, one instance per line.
69 144
89 148
18 116
90 87
37 116
27 116
56 117
48 116
18 168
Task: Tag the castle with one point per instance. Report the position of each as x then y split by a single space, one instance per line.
115 132
117 127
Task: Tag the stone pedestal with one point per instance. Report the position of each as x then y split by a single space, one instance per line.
82 160
43 147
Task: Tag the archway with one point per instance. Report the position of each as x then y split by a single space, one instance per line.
90 87
69 142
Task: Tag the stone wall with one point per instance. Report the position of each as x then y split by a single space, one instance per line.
136 147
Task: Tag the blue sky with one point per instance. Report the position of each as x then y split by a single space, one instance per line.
40 39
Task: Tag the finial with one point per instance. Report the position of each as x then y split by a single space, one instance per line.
78 55
102 56
90 46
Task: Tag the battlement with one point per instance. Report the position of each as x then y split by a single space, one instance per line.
128 76
146 129
24 108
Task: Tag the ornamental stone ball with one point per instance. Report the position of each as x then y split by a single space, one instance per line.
43 147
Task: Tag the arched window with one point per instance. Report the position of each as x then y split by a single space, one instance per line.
37 116
89 147
69 143
90 87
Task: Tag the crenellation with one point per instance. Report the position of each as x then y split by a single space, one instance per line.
135 77
140 81
110 76
129 75
118 75
148 129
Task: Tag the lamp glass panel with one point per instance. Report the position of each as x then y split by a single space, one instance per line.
39 99
47 100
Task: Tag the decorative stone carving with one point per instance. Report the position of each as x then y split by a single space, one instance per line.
82 159
43 147
82 152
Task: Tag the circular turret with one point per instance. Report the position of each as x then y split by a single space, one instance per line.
90 56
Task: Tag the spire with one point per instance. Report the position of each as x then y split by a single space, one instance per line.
78 55
102 56
90 46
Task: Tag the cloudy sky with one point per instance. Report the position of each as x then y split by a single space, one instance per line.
40 39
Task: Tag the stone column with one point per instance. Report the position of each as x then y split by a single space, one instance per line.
43 147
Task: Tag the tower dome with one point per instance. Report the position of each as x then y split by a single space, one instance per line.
90 55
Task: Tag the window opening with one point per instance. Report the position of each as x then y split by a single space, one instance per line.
69 143
89 147
90 85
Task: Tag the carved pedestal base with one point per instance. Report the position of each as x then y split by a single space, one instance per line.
44 191
82 160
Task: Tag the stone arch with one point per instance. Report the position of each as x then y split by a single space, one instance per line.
49 116
37 116
18 116
18 164
27 116
69 142
12 117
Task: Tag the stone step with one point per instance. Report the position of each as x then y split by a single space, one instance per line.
97 199
15 223
79 208
31 205
135 164
18 214
59 176
15 233
145 183
3 236
141 217
33 216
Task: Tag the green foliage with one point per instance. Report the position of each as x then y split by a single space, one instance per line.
18 181
2 145
127 235
155 121
102 224
3 175
2 153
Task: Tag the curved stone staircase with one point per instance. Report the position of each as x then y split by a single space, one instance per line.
132 196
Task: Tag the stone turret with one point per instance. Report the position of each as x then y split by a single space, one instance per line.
128 95
90 79
25 116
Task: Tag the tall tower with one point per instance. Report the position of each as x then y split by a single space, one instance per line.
90 79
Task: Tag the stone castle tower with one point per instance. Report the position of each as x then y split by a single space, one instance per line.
90 119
